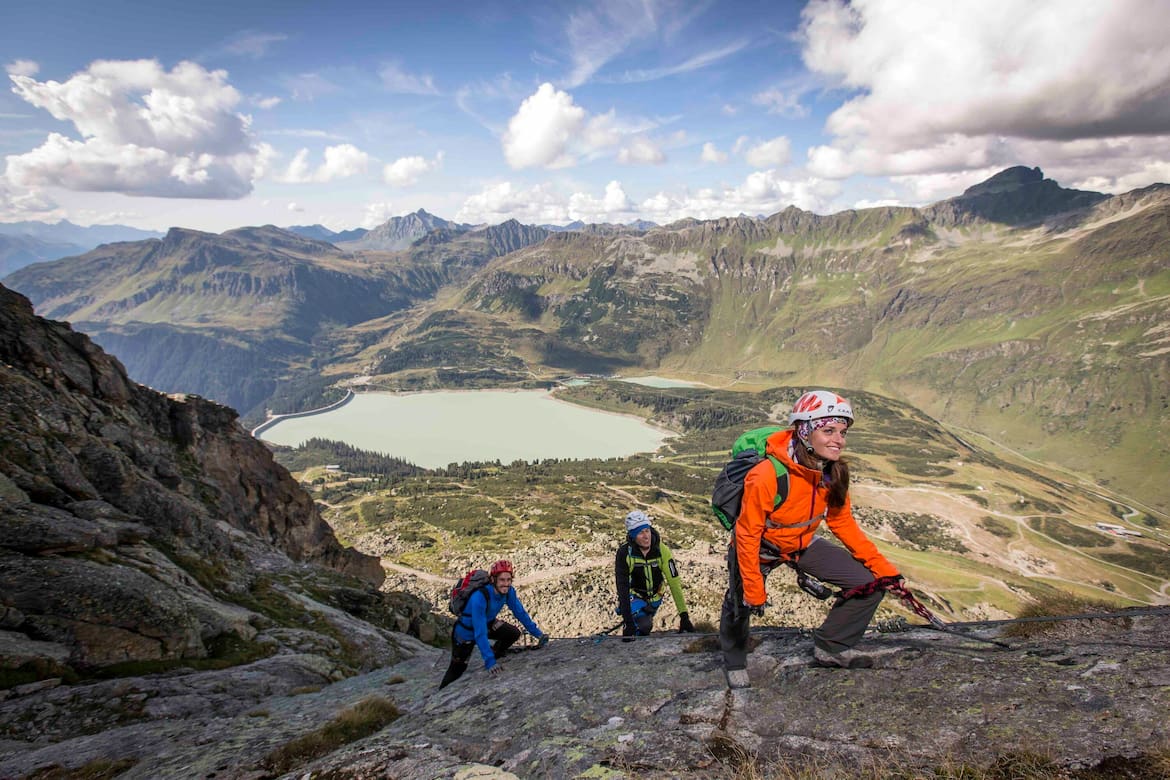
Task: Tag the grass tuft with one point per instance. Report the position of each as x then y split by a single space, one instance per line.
100 769
1053 604
362 719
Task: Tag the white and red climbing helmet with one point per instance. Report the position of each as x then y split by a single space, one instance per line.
499 567
816 404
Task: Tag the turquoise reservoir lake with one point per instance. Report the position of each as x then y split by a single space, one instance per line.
435 429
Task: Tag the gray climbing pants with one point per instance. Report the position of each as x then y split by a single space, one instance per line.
843 626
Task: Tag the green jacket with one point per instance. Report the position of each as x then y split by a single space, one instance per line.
646 576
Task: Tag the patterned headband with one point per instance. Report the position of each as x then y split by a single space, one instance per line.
804 428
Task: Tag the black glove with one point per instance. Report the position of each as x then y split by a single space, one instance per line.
495 670
756 609
540 643
628 632
685 626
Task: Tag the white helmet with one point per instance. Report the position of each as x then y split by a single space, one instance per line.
820 403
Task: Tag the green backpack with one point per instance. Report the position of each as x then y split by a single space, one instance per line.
746 452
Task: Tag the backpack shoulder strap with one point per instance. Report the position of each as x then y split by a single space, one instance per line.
781 481
487 600
465 618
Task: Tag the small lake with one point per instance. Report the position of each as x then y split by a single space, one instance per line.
435 429
660 382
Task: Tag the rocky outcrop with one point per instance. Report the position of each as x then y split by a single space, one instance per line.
1085 704
512 235
141 527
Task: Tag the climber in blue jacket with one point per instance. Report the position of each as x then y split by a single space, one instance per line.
478 626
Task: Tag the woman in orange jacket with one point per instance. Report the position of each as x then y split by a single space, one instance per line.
767 536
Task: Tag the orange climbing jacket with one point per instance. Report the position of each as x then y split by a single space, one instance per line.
792 525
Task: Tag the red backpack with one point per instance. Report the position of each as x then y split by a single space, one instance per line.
464 587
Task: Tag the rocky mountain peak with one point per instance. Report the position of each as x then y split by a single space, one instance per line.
271 236
512 235
1007 179
400 232
178 238
1014 196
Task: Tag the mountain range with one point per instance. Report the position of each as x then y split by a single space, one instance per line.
322 233
25 243
1022 311
231 316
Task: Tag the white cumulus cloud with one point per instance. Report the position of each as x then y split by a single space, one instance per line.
17 205
762 192
540 133
613 206
22 68
640 150
536 205
145 131
340 162
377 213
944 87
405 171
777 151
711 154
549 130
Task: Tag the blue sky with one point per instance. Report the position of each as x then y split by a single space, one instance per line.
215 115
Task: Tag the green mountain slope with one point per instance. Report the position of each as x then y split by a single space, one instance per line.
239 316
1048 335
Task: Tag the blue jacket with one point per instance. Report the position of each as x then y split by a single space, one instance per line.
482 608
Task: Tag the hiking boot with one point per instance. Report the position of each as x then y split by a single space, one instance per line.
845 659
738 678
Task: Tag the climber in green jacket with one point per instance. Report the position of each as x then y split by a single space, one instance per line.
642 568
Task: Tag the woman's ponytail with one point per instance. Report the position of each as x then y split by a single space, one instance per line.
838 484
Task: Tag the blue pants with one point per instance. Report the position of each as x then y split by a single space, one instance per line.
644 612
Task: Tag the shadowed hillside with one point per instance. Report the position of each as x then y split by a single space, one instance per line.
142 532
